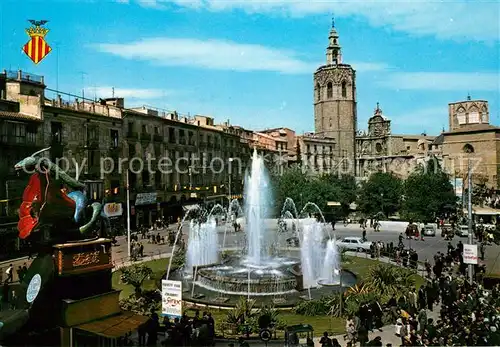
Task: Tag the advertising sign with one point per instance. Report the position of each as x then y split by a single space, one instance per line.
458 186
113 209
145 199
171 298
470 254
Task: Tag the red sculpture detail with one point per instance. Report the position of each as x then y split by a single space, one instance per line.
44 202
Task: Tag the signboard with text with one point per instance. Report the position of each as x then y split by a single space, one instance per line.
145 199
458 185
470 254
171 298
113 209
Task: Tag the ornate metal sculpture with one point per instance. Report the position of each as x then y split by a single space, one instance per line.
47 202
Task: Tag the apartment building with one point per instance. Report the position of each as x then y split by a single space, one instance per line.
170 160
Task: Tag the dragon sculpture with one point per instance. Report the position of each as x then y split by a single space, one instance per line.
53 197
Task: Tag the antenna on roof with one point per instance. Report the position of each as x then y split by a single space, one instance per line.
113 91
468 96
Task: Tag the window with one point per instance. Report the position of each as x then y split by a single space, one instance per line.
461 116
144 129
468 148
19 132
158 183
131 150
145 178
130 127
171 135
31 134
329 90
378 147
91 134
344 89
318 92
114 138
56 131
157 131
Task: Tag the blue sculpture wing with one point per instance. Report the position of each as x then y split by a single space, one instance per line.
81 203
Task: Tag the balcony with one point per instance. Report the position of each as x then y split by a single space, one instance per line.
158 138
11 140
92 144
132 135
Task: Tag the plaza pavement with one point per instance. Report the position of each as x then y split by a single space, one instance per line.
425 249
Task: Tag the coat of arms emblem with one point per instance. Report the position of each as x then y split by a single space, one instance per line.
37 48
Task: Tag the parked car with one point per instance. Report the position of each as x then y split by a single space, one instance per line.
354 244
463 230
429 230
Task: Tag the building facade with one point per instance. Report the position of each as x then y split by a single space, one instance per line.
471 140
170 160
380 150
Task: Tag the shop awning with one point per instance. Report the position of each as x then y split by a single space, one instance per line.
484 211
190 207
115 326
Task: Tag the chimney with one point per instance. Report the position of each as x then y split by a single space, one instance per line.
19 74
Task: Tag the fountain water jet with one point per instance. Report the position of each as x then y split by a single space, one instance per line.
203 244
311 252
256 203
330 273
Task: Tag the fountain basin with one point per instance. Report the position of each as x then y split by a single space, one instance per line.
239 276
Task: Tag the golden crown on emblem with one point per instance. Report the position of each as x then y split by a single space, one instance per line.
37 31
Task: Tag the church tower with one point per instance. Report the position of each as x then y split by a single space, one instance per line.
335 100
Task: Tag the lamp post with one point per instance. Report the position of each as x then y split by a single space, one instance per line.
469 184
128 216
190 179
230 176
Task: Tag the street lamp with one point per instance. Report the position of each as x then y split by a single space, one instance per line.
230 174
190 179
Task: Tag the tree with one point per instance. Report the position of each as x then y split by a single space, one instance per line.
428 193
343 189
291 184
386 280
380 193
135 276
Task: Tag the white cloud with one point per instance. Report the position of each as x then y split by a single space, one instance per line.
444 81
459 20
218 55
132 93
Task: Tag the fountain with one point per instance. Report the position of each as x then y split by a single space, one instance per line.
256 205
330 273
311 252
203 244
263 268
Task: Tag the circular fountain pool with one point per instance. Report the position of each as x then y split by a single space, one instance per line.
240 276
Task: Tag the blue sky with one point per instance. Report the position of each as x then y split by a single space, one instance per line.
252 61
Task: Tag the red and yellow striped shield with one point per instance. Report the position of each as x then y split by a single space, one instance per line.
37 48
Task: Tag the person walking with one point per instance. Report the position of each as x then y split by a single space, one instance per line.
10 274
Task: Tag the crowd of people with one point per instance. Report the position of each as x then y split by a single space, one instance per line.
468 315
198 330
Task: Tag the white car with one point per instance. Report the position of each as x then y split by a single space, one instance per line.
354 244
463 230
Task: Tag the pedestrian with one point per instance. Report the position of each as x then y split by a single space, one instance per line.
482 250
10 273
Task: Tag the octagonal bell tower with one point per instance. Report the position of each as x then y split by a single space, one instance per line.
335 100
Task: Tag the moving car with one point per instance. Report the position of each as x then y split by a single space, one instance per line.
429 230
463 230
354 244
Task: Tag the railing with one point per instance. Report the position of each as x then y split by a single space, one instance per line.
23 76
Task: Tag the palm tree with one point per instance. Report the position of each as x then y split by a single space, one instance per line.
387 279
